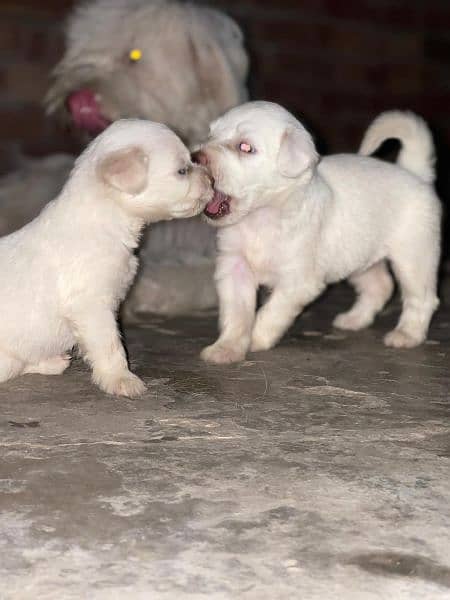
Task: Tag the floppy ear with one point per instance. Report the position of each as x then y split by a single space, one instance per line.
297 152
217 60
125 170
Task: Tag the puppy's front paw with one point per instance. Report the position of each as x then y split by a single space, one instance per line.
352 321
261 341
123 384
401 339
221 354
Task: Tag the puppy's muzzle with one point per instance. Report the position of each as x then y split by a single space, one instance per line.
201 158
219 205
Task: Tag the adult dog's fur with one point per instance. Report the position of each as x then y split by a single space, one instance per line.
295 222
192 68
65 273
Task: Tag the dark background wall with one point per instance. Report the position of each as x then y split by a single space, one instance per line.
337 63
30 44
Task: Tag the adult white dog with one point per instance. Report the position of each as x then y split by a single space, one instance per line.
171 61
295 222
175 62
65 273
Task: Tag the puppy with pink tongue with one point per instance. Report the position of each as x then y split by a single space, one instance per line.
294 222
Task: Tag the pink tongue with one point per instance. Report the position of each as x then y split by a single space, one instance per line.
85 111
213 205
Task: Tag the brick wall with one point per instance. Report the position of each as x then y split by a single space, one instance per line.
339 63
30 44
336 63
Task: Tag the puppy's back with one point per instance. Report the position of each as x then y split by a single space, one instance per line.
353 173
374 194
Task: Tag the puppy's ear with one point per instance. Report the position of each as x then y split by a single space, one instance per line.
125 170
297 152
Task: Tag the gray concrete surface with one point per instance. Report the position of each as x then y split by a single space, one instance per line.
319 470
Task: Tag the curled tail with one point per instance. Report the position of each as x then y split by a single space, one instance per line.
417 153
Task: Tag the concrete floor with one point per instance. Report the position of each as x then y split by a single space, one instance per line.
319 470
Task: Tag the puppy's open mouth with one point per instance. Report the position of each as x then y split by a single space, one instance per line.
219 206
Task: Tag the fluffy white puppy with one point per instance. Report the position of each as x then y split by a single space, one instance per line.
295 222
65 273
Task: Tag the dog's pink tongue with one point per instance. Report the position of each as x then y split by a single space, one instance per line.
213 205
85 111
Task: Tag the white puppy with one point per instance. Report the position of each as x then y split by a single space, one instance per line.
65 273
295 222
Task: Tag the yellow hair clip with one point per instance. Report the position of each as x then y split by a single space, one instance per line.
135 54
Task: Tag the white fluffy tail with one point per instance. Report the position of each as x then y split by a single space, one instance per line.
417 152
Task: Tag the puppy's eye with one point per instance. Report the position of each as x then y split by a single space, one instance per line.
135 55
184 170
246 148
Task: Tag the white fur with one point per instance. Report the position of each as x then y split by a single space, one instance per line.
298 229
194 67
417 153
65 273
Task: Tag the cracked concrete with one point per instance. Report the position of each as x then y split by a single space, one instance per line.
319 470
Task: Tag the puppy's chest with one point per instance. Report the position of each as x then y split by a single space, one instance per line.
261 246
126 276
116 276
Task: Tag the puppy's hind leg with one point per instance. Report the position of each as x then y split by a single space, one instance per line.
417 276
10 366
50 366
374 288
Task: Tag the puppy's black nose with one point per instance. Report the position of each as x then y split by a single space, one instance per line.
200 158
